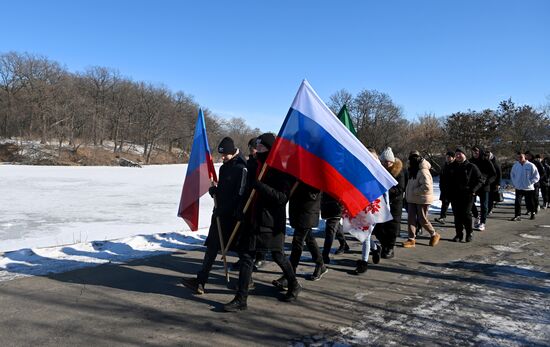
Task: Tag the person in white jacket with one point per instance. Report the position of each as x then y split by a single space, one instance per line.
524 175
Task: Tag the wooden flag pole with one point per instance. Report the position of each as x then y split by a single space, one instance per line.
220 236
248 202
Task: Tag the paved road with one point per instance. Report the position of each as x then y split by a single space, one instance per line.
494 291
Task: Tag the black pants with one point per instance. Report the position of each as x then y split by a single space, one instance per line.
247 266
301 235
333 228
536 203
529 201
444 208
462 210
210 255
387 232
544 192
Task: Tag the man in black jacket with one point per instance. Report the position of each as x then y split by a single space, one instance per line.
228 194
542 174
304 210
464 180
488 175
265 228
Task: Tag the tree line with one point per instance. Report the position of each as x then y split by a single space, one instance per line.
41 100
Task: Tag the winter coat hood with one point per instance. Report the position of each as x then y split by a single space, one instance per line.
396 168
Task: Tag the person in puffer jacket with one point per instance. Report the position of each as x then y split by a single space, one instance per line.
419 195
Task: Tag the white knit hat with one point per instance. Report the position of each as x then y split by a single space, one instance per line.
387 155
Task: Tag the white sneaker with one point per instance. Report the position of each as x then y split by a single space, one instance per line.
481 227
477 222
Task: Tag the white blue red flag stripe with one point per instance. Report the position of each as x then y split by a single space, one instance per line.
314 146
200 174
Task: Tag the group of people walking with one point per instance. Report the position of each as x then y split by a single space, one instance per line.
262 225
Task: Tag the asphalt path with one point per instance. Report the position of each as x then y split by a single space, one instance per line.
492 291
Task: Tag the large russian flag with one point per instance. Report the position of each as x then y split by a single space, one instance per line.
200 174
314 146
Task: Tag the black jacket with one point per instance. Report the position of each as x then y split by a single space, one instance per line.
265 220
304 207
498 176
542 172
230 192
464 179
330 207
443 182
396 192
488 172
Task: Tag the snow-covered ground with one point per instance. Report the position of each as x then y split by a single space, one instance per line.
54 219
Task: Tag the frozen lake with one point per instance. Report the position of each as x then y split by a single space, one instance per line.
44 206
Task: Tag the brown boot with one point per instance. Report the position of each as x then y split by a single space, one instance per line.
410 243
434 240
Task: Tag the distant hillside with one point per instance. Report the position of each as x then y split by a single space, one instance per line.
35 153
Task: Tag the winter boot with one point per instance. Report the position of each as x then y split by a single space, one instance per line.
193 284
343 248
361 267
235 305
410 243
376 255
434 240
281 283
293 290
387 253
319 271
468 237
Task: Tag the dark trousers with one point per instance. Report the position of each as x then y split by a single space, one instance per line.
301 235
462 210
529 201
333 228
210 255
536 203
247 266
544 192
444 208
484 204
491 202
387 232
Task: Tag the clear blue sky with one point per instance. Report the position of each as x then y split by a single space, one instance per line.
247 58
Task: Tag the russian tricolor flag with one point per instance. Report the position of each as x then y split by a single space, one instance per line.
314 146
199 177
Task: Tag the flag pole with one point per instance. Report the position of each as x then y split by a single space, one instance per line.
248 202
220 236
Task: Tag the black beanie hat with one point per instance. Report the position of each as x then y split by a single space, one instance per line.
451 154
267 139
227 146
252 142
459 149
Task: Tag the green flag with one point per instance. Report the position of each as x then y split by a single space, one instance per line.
344 117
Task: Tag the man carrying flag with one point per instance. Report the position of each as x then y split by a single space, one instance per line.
265 227
228 194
